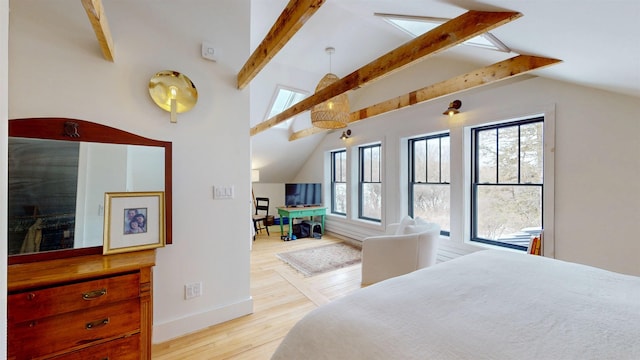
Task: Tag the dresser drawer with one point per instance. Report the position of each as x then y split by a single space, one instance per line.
35 338
121 349
30 305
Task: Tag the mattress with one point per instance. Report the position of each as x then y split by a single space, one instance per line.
487 305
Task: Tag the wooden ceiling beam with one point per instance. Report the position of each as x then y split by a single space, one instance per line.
502 70
451 33
98 19
294 15
306 132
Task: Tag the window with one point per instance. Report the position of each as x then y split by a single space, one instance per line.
282 99
507 183
339 182
429 177
370 184
418 25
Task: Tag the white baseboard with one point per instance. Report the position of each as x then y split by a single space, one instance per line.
194 322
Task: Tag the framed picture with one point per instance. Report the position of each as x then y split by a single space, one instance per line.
133 221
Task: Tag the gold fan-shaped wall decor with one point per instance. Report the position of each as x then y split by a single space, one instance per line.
173 92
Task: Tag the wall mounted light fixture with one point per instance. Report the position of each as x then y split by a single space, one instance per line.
454 108
345 134
173 92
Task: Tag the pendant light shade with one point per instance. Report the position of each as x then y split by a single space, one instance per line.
333 113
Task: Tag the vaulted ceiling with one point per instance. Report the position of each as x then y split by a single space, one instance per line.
591 43
597 44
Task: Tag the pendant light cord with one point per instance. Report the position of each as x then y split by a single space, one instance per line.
330 50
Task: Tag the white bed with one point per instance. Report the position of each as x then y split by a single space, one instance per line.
487 305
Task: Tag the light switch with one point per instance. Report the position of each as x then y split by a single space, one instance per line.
223 192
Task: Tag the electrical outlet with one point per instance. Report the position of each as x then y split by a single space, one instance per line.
192 290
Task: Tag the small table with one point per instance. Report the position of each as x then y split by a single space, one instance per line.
298 212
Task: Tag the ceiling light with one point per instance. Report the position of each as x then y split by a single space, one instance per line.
454 108
333 113
418 25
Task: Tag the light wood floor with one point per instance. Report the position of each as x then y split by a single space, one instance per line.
281 297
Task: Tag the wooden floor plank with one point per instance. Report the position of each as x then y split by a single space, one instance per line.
281 296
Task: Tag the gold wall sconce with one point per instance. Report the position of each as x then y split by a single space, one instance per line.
345 134
173 92
454 108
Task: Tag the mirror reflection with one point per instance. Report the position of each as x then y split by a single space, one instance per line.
56 189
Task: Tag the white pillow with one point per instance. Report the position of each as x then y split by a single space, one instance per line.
421 221
406 220
415 229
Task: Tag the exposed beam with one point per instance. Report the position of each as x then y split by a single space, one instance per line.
294 15
306 132
98 19
502 70
451 33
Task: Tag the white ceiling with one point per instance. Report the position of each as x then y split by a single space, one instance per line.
598 42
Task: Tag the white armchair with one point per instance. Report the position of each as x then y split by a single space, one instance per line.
406 247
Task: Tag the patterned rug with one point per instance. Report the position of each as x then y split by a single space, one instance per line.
321 259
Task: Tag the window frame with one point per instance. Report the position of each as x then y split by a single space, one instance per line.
361 178
411 168
343 153
474 178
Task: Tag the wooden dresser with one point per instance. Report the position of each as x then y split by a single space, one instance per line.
87 307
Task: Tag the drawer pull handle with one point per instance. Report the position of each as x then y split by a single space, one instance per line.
96 324
91 295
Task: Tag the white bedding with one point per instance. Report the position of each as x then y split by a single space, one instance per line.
487 305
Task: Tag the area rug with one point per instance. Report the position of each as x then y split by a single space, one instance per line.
321 259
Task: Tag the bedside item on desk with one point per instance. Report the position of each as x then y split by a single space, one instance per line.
133 221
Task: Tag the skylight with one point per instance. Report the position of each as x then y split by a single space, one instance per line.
418 25
282 99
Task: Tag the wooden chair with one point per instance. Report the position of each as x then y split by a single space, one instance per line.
260 217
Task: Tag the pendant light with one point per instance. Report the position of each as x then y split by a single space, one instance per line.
333 113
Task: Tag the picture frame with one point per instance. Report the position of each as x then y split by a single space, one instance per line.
133 221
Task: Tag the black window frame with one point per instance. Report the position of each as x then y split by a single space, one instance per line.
475 175
412 175
334 177
361 177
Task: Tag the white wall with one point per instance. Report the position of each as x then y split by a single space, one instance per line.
597 162
4 65
275 193
56 69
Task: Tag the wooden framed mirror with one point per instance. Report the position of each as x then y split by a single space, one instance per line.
59 170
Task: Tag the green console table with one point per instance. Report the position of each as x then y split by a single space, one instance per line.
299 212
